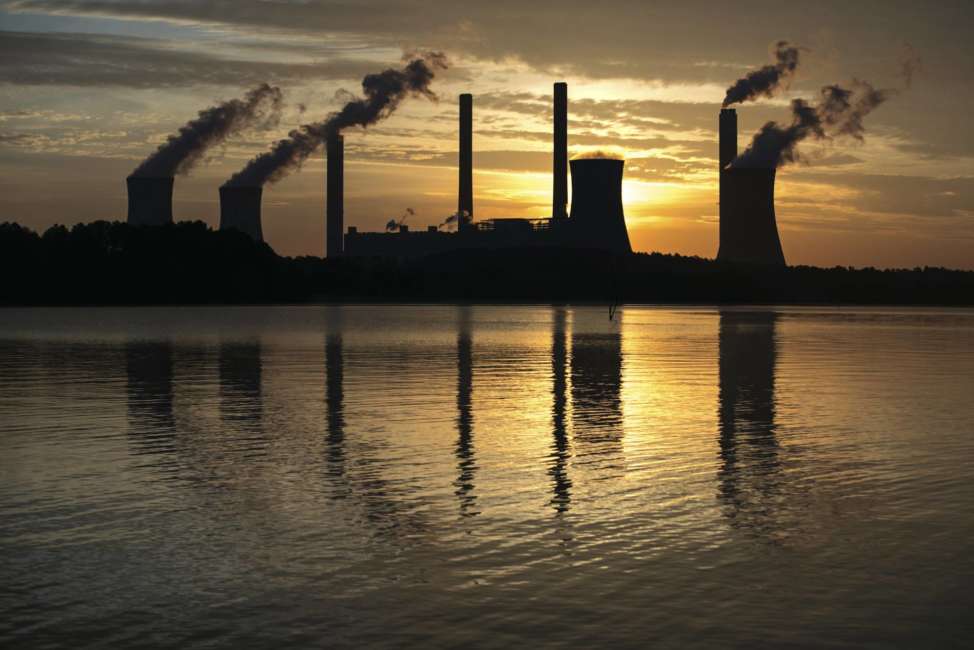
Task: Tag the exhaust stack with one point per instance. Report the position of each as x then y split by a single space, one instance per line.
726 153
597 217
240 210
465 195
335 196
150 200
559 192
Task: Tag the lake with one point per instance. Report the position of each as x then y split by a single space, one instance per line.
486 476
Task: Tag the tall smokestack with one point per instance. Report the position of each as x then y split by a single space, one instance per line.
726 153
560 164
597 218
335 195
240 210
465 195
150 200
748 228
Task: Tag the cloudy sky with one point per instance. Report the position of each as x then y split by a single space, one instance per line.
89 88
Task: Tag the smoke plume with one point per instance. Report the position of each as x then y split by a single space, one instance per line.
765 81
261 107
383 91
839 112
395 224
604 154
457 217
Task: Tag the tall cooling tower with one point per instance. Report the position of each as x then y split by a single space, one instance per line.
748 229
335 196
597 217
240 210
150 200
465 193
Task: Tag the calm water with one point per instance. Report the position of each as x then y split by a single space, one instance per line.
486 477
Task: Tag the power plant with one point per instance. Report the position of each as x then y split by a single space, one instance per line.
240 210
748 229
595 220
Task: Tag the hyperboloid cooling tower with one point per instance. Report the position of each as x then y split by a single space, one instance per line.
748 229
150 200
597 217
240 210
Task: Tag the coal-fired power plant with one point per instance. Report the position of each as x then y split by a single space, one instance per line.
150 200
597 219
334 195
240 210
748 228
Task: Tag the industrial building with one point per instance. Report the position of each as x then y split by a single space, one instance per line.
596 220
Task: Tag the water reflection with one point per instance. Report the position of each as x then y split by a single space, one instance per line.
334 403
749 468
240 382
560 449
149 384
466 461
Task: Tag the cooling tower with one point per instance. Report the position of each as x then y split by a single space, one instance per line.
240 210
335 196
748 230
150 200
465 195
559 192
597 218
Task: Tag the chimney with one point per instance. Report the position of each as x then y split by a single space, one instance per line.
748 229
597 217
334 195
240 210
150 200
726 153
465 196
560 162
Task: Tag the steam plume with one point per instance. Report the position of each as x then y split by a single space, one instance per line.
456 217
383 91
395 224
839 112
608 154
765 81
181 151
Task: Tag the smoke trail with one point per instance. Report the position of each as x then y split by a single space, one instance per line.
383 91
260 107
456 217
395 224
766 80
839 112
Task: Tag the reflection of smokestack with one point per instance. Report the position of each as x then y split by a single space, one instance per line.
597 216
240 210
335 182
465 196
748 229
150 200
560 169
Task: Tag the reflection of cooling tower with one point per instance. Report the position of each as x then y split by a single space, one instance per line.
240 210
150 200
465 195
597 217
748 231
335 199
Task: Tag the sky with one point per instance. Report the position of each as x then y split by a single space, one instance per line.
89 88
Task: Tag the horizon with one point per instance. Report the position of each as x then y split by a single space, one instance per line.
72 128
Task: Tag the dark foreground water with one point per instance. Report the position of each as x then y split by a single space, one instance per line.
438 476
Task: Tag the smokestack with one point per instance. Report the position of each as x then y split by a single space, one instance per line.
748 229
240 210
150 200
335 198
726 153
465 196
597 216
560 163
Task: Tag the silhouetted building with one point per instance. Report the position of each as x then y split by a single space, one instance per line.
465 194
240 210
597 219
748 229
150 200
335 196
559 169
